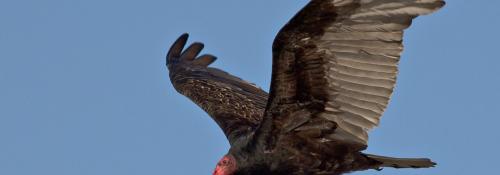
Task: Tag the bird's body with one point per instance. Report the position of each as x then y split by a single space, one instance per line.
334 70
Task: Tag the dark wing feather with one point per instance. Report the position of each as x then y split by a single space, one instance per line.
335 65
236 105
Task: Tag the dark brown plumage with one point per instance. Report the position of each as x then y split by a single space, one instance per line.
334 70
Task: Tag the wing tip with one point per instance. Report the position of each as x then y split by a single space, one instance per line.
436 5
177 53
176 49
440 4
205 60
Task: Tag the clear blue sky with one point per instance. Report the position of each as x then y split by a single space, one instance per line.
84 89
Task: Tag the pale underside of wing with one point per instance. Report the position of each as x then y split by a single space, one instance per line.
349 65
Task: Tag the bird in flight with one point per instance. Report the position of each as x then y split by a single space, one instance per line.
334 69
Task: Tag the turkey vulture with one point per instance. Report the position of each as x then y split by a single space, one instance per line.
334 70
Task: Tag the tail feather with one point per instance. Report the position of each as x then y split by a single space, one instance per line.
402 162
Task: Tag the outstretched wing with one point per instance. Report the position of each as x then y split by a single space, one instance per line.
335 65
236 105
